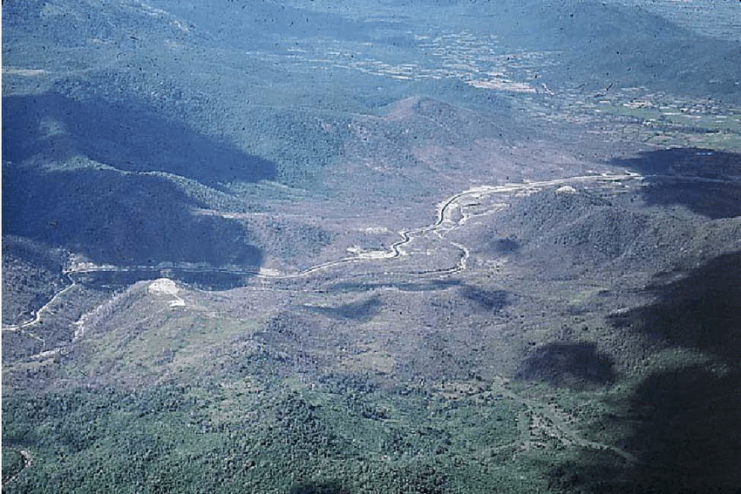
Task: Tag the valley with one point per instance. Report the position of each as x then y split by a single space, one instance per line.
288 248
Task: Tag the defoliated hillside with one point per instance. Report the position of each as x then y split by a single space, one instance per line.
583 232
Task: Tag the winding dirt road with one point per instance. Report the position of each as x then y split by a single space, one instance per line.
452 213
444 222
536 422
27 463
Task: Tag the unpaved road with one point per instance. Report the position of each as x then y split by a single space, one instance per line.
27 463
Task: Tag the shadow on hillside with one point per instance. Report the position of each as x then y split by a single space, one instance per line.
690 177
126 135
573 365
118 218
685 419
319 488
698 311
689 431
421 286
504 246
686 437
362 310
489 300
